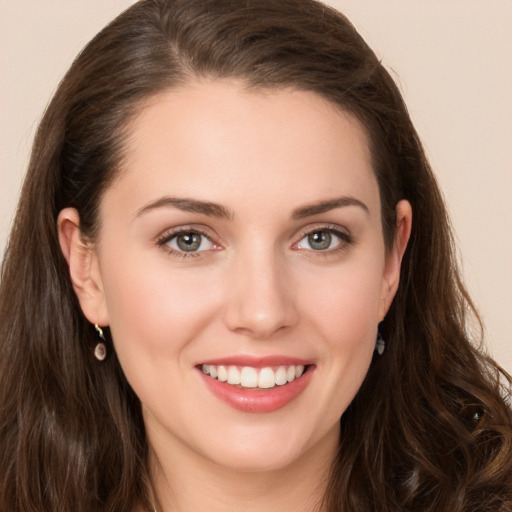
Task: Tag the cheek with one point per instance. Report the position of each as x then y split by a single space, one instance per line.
340 311
344 316
345 304
156 315
151 304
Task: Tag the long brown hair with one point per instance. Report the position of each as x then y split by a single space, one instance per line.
431 427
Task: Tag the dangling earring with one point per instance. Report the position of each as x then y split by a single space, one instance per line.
100 351
380 344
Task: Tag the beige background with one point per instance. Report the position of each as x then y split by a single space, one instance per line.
453 60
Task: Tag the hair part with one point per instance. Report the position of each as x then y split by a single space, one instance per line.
428 430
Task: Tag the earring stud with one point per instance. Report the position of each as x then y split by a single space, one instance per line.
380 344
100 351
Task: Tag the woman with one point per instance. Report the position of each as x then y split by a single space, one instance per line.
239 241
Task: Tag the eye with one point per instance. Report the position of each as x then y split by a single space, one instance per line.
322 240
188 242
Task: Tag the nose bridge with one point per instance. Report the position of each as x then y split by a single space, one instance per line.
260 303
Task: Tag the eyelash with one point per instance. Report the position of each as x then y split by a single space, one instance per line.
163 240
346 240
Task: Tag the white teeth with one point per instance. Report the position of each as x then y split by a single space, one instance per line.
222 373
249 377
233 375
281 376
266 378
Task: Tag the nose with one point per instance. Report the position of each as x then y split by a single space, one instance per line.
261 301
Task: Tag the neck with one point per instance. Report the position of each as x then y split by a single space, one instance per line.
185 483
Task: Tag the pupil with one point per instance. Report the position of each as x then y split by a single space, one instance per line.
320 240
189 241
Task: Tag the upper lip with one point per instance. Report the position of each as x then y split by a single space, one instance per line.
257 362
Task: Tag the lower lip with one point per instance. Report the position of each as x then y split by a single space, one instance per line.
258 400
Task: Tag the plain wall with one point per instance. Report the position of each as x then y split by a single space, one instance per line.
453 61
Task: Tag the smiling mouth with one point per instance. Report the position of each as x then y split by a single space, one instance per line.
248 377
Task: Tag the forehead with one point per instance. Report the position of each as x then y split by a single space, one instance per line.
212 139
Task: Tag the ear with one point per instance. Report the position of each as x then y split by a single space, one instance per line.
83 266
394 256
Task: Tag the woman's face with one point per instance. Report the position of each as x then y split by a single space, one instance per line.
243 241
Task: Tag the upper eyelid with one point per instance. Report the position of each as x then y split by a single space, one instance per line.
170 233
207 232
162 241
322 226
345 236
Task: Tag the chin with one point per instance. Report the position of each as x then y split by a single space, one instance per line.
257 461
265 450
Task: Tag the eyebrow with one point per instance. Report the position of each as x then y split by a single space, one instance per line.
216 210
325 206
188 205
